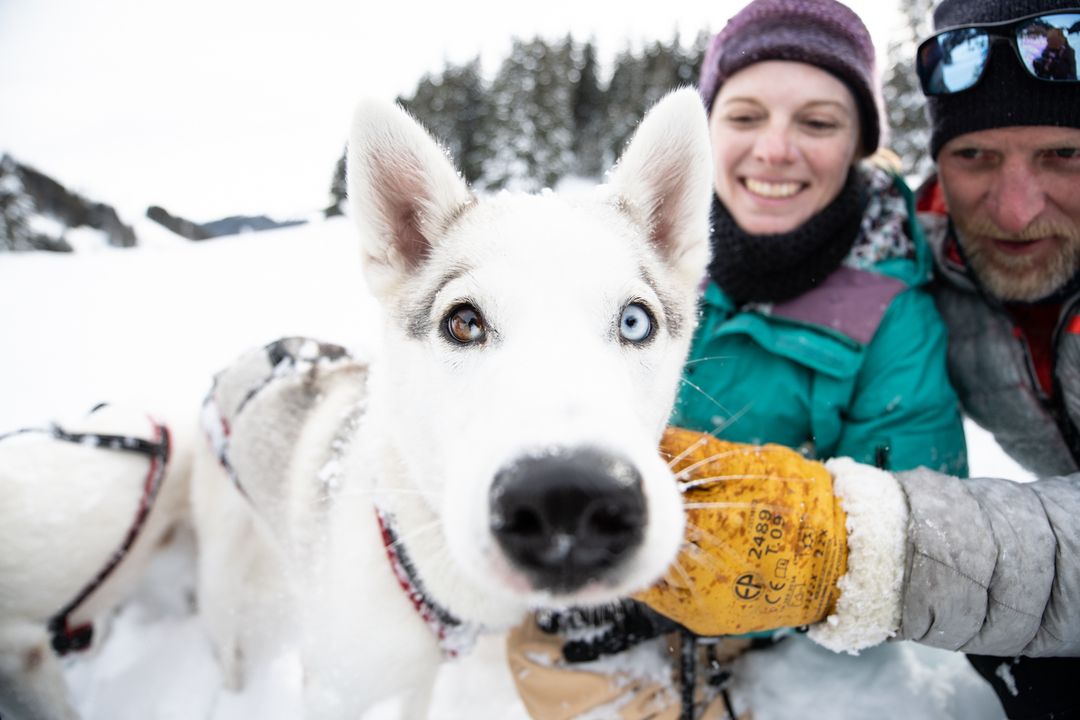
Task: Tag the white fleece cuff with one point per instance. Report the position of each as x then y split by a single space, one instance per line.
868 611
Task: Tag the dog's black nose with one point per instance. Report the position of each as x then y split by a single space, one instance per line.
567 518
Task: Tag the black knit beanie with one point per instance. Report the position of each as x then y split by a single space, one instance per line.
1006 95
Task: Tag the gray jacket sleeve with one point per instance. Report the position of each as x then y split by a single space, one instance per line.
992 566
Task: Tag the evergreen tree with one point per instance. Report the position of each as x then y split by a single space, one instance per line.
546 114
589 107
660 71
452 106
638 81
556 87
904 102
532 138
509 150
625 102
338 190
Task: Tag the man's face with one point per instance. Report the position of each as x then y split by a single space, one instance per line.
1014 195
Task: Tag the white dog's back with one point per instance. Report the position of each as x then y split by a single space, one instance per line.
84 506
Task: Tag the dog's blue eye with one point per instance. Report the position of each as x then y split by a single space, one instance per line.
464 325
636 324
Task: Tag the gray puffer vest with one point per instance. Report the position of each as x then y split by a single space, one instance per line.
991 369
993 566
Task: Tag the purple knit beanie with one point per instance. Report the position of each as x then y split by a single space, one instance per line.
823 33
1006 95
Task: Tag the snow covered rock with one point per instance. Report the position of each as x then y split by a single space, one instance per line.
36 212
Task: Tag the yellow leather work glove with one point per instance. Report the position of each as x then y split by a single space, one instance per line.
765 538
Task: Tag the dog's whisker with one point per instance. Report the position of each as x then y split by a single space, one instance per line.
687 450
699 534
683 472
706 395
700 556
416 532
701 482
385 492
725 505
712 358
688 582
732 419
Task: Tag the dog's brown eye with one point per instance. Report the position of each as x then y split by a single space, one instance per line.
464 325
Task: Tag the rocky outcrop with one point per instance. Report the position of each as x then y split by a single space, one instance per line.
232 225
236 224
36 212
180 226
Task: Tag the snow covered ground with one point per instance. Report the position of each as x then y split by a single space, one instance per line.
148 327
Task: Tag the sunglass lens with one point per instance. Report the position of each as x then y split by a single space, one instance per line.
953 60
1047 43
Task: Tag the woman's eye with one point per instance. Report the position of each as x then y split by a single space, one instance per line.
742 119
1065 153
636 324
465 326
821 125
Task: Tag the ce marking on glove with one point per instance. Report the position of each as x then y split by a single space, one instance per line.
777 587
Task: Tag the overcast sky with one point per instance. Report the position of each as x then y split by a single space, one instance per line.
219 107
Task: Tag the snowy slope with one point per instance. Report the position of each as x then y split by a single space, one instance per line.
149 326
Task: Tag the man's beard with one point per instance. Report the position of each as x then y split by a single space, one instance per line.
1020 278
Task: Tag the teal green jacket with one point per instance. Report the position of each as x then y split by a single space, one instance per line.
855 367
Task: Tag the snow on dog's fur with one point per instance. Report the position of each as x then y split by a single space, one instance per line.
66 510
532 350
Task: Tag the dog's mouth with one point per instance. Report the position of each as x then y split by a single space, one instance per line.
570 520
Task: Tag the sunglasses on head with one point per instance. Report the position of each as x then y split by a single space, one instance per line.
953 60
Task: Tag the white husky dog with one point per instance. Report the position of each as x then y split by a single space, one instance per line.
82 509
499 455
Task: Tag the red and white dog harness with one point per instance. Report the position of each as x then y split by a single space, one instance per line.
64 638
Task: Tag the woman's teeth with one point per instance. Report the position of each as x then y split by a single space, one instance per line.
772 190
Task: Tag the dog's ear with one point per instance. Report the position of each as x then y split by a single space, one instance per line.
664 181
403 189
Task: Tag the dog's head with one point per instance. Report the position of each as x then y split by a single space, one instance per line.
533 350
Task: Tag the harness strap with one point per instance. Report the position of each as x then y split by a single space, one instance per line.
64 638
687 672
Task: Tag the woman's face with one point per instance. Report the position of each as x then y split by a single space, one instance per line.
784 135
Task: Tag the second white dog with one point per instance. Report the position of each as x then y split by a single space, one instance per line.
500 455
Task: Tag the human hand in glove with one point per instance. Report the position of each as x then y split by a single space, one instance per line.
766 541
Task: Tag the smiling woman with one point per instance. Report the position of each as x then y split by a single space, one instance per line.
816 332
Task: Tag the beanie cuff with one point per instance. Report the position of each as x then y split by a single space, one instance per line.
1006 95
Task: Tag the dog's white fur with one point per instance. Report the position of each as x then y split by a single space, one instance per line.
65 508
303 565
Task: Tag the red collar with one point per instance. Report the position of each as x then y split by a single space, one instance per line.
455 636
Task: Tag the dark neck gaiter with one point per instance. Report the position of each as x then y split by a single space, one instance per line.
774 268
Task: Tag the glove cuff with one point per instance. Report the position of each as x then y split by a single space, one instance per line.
868 611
